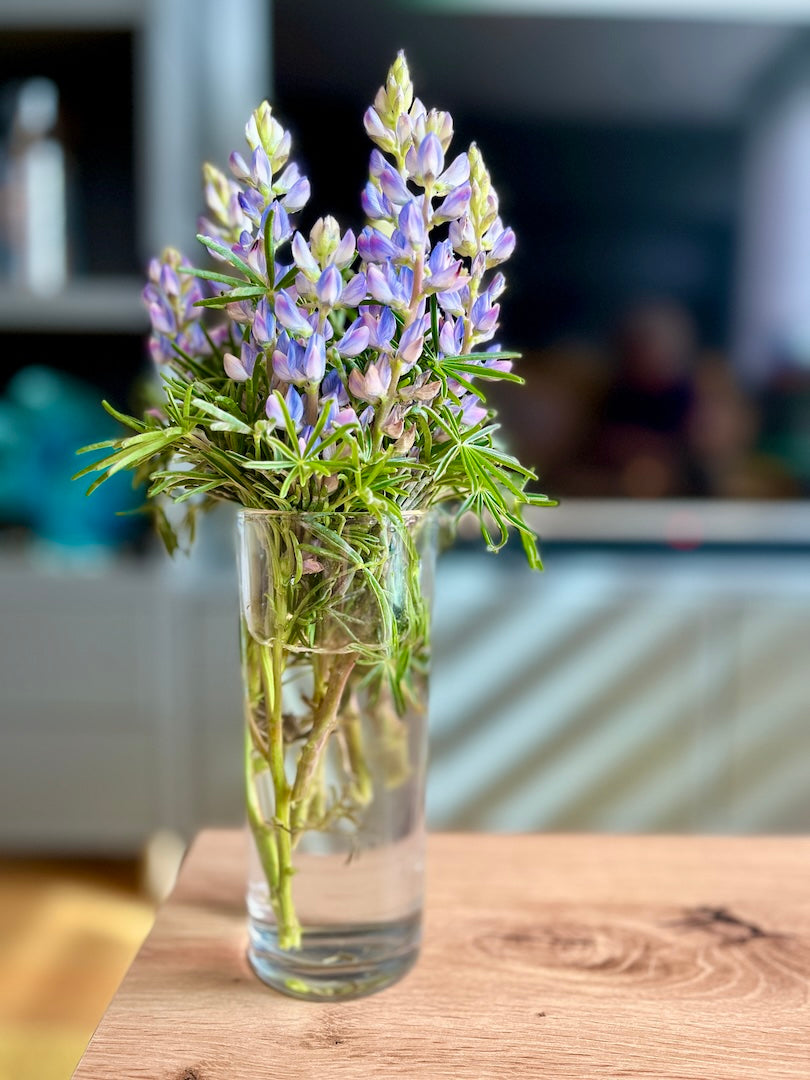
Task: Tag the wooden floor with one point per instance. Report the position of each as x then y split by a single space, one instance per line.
68 931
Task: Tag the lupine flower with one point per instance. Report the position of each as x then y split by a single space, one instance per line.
381 326
355 340
295 407
498 242
388 284
290 315
411 190
376 205
299 364
454 176
484 317
470 412
170 299
429 158
443 271
264 323
411 342
412 224
240 368
455 206
372 385
451 337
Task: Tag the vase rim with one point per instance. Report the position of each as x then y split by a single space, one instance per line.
247 511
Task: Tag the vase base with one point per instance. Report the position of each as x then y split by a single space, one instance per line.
335 964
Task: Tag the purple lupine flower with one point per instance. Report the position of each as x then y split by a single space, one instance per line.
454 206
170 299
162 317
470 412
261 171
328 287
264 323
256 257
457 173
290 315
288 362
169 281
314 359
484 316
298 196
240 368
241 312
288 179
295 408
332 386
452 302
381 326
411 343
160 349
498 242
295 405
282 228
393 186
388 284
444 272
412 223
429 158
375 247
252 205
239 167
451 337
376 205
496 286
346 250
303 258
372 385
355 340
462 236
354 291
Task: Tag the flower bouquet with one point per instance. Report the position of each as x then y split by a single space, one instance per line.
331 385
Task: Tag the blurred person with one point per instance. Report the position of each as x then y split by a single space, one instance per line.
785 406
554 418
641 449
722 431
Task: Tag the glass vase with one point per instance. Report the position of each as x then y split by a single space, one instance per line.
335 631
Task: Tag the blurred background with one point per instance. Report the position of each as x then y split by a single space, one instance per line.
653 157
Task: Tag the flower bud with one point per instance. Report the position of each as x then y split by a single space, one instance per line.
429 157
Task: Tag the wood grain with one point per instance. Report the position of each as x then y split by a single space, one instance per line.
578 957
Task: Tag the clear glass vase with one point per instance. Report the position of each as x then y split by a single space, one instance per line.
335 615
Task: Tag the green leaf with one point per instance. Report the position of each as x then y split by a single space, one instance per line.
480 372
225 420
210 275
244 292
124 418
230 257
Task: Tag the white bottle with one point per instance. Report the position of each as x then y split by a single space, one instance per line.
37 191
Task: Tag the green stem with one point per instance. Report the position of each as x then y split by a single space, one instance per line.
325 722
289 928
361 785
263 836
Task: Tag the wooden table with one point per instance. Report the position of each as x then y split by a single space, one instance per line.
544 957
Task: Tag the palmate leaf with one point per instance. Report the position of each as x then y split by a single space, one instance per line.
131 451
